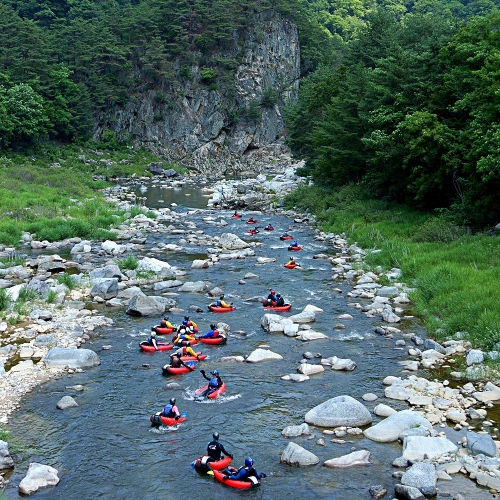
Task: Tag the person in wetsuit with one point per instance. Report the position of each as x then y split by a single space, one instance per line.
214 449
245 473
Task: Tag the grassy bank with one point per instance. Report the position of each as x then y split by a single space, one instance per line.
52 193
456 274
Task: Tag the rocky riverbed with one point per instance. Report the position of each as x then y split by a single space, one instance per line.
50 339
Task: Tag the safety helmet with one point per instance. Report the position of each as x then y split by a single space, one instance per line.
165 318
278 295
222 296
185 322
172 401
273 292
186 318
248 462
215 372
213 326
216 436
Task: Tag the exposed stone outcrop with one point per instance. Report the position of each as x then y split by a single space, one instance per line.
194 124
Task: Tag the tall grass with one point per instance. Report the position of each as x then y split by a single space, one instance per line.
68 280
4 299
128 263
456 274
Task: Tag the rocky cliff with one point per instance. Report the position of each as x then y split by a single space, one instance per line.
217 122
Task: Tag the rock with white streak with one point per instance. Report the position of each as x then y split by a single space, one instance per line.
38 476
354 459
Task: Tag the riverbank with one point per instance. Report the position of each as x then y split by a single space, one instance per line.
455 274
385 307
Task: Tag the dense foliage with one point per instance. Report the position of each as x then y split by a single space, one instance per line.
62 62
411 110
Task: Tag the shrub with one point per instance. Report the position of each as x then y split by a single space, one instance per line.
51 297
438 229
66 279
128 263
4 299
208 75
269 98
26 294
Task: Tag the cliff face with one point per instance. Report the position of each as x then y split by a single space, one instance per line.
206 126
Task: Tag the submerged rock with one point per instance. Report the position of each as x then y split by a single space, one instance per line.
389 429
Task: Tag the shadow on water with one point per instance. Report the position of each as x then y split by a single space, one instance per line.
105 447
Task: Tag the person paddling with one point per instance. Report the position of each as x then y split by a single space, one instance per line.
214 382
215 449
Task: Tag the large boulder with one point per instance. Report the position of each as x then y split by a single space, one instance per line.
361 457
481 443
230 241
74 358
144 305
408 492
6 461
260 355
418 448
389 429
39 476
109 271
421 476
339 411
195 287
294 454
106 288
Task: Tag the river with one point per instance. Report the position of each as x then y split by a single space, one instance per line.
106 448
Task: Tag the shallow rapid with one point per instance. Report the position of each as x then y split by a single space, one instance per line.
106 447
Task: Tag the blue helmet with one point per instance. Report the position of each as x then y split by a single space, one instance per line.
215 372
248 462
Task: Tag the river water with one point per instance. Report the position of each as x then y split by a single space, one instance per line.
106 448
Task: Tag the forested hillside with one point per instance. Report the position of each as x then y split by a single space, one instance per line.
409 108
62 61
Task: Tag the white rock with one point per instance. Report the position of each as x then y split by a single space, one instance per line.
361 457
416 448
260 355
38 476
308 369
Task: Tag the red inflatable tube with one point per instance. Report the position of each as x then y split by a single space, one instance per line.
145 346
286 238
241 485
236 216
216 309
217 465
185 343
169 421
253 232
286 307
214 340
290 266
162 331
269 228
295 249
214 394
200 357
169 370
253 221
